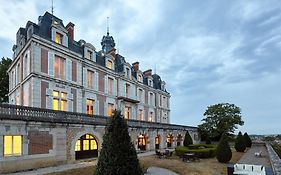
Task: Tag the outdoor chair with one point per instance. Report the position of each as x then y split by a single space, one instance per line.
258 154
159 154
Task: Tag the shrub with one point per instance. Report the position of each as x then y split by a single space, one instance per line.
240 144
247 140
207 151
224 153
187 139
118 154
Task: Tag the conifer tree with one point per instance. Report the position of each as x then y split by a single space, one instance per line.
247 139
118 155
240 144
187 139
224 153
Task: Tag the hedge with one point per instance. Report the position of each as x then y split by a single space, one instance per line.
277 149
201 152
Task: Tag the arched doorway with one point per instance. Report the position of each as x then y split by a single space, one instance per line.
86 147
179 139
141 142
157 142
169 140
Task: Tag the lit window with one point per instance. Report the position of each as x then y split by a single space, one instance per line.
110 109
109 64
78 145
94 145
58 38
90 106
12 145
59 101
86 145
127 90
157 140
90 76
17 100
59 67
127 112
110 85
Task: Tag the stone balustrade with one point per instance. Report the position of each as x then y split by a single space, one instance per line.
274 159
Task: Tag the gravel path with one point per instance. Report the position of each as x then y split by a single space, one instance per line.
159 171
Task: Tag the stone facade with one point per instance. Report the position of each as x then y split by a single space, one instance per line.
49 137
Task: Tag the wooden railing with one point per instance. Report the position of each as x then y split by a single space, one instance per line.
14 112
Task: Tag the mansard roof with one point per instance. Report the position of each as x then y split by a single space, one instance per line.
43 29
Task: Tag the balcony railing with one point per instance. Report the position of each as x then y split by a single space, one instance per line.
23 113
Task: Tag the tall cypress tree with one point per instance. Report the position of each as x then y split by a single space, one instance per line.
118 155
247 140
224 153
187 139
240 144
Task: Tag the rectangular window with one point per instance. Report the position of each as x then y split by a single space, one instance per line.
140 94
18 74
150 117
110 85
151 99
164 102
127 90
86 145
90 77
12 146
141 114
139 78
59 101
90 106
127 112
127 72
109 64
17 100
78 145
59 67
58 38
110 109
89 55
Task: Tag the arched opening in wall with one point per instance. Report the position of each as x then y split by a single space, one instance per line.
141 142
179 139
157 142
169 140
86 147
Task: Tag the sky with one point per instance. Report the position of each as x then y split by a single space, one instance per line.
206 51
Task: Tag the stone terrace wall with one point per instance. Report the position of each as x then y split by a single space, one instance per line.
274 159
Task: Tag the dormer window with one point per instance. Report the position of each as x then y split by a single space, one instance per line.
150 83
58 38
139 78
127 72
109 64
89 55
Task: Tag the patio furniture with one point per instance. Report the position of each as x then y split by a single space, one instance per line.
159 154
258 154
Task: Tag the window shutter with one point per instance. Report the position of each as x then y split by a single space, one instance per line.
85 77
51 57
96 81
68 69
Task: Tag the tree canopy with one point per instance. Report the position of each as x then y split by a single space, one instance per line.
118 154
224 153
4 79
221 118
187 139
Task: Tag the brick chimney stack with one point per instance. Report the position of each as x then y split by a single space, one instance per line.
70 29
136 66
147 72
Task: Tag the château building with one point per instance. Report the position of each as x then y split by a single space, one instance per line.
51 70
62 93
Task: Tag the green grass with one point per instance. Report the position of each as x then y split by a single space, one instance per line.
277 149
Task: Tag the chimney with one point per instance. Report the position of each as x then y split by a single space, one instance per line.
136 66
70 29
147 72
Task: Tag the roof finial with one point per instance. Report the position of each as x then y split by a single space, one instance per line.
52 7
107 24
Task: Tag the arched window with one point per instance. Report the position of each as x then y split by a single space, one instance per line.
86 147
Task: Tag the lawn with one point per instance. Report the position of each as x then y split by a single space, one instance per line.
204 167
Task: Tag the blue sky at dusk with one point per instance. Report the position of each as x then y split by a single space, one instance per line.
206 51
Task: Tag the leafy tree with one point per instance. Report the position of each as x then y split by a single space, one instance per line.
187 139
4 79
221 118
240 144
118 155
247 140
224 153
207 139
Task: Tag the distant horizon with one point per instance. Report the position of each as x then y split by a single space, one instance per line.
228 54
